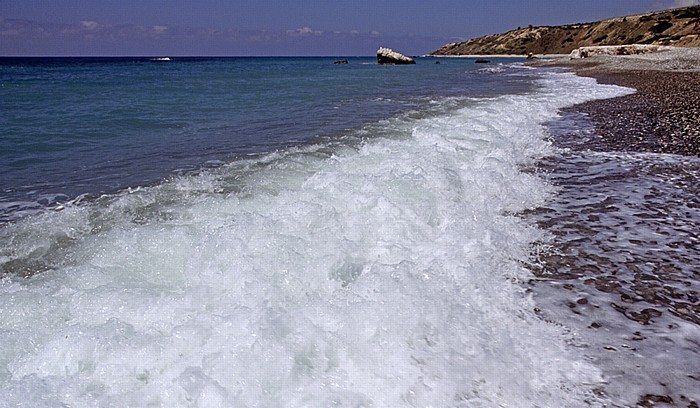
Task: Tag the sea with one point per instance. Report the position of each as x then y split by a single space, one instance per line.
291 232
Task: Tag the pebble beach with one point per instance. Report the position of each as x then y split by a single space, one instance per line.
662 116
625 246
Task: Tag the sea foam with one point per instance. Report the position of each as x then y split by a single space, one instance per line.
386 271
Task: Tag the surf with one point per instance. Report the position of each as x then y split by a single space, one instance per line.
383 267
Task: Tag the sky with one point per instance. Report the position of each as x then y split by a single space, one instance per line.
280 27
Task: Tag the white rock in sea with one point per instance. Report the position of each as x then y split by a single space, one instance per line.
632 49
389 56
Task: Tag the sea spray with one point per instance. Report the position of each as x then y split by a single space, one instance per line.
385 271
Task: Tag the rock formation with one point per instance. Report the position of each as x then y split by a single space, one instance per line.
634 49
677 27
389 56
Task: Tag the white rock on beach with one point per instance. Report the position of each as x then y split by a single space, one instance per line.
633 49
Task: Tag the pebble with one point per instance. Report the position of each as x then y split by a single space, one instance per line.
624 226
662 117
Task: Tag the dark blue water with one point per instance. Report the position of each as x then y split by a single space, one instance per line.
71 126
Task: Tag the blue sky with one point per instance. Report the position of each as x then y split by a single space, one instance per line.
280 27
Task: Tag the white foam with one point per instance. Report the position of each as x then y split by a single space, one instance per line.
378 274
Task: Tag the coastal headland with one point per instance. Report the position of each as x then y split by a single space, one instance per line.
678 27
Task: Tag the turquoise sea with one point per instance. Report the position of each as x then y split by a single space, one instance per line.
269 232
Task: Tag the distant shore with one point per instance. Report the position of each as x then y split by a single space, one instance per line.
537 56
663 116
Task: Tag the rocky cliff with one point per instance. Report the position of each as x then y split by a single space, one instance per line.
677 27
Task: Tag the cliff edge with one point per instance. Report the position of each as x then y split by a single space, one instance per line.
678 27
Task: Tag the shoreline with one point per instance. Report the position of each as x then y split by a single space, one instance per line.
537 56
662 116
620 267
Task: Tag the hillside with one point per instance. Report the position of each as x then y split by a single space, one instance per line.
677 27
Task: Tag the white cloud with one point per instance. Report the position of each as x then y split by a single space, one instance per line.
686 3
87 37
672 4
302 32
90 25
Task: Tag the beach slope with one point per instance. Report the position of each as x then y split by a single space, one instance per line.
662 116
